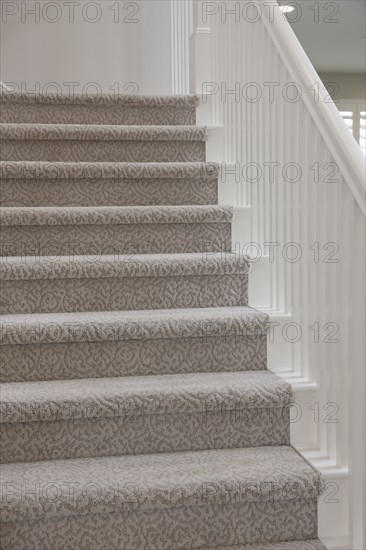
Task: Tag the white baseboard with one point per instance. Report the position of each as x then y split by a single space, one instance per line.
336 543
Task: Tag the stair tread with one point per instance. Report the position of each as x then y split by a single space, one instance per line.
314 544
187 100
165 480
205 393
116 215
99 132
132 325
52 419
130 265
128 170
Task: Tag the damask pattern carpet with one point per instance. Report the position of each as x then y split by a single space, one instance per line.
137 410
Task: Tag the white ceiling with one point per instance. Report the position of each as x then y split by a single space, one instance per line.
333 46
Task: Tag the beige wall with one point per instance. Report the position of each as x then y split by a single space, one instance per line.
348 85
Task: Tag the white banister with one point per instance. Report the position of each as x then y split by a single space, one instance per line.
326 115
300 174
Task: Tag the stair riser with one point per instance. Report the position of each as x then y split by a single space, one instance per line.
103 151
308 544
214 427
96 240
131 358
73 295
97 114
120 447
107 192
178 528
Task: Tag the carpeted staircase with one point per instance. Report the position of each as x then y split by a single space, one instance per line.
137 411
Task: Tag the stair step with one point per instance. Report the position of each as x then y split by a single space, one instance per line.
107 184
97 109
99 143
314 544
146 281
69 231
137 411
132 343
53 420
145 502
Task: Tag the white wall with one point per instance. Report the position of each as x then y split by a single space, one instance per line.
58 42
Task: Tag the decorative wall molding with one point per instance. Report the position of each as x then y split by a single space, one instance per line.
181 29
202 30
308 132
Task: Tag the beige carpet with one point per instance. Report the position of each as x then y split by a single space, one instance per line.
137 411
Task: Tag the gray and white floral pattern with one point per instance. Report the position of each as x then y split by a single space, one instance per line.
98 99
137 411
123 293
55 420
102 151
183 528
108 170
97 109
162 481
165 501
291 545
115 230
133 325
96 240
90 143
122 283
142 395
112 357
107 192
87 132
107 184
136 265
116 215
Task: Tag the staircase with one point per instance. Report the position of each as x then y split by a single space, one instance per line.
137 408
